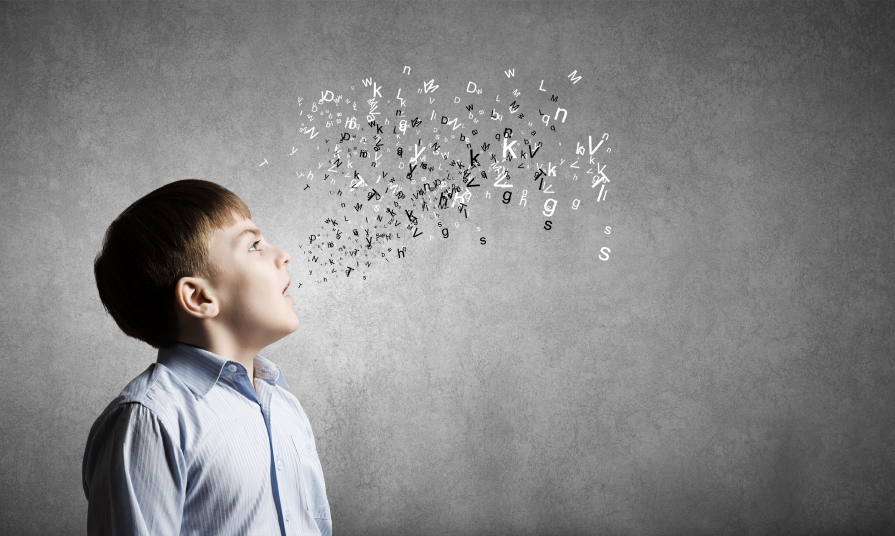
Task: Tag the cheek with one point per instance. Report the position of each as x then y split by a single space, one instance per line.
241 291
259 291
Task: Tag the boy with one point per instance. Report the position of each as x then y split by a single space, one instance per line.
207 440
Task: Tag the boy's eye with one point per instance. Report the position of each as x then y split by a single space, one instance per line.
255 245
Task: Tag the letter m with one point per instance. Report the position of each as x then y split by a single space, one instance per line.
574 78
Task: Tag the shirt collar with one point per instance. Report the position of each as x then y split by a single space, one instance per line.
200 369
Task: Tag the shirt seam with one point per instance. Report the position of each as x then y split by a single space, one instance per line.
162 420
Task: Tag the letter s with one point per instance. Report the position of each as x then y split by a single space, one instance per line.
482 240
548 225
604 251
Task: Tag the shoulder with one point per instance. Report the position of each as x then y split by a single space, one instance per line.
155 394
146 389
123 405
128 432
133 392
139 411
139 386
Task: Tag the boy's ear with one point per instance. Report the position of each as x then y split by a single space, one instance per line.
195 296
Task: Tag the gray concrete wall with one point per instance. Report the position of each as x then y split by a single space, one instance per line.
728 369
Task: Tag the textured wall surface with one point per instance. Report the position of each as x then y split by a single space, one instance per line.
729 370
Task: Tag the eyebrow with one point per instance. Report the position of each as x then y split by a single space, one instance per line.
250 230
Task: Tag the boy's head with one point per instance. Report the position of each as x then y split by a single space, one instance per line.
188 251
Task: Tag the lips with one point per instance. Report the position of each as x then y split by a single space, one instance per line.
287 287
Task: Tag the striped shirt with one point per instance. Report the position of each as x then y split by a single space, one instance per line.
190 447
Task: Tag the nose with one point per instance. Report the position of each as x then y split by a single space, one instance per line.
283 258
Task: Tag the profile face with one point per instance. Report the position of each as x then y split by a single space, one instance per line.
252 284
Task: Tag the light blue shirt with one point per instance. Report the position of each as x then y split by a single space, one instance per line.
190 447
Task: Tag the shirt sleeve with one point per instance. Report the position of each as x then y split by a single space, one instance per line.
134 475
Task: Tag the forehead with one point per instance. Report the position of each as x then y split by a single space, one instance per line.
233 235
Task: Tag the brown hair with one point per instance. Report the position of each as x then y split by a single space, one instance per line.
162 237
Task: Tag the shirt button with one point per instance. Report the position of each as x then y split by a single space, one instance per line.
288 515
279 465
231 368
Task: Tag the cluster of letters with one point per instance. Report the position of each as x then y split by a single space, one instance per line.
416 163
